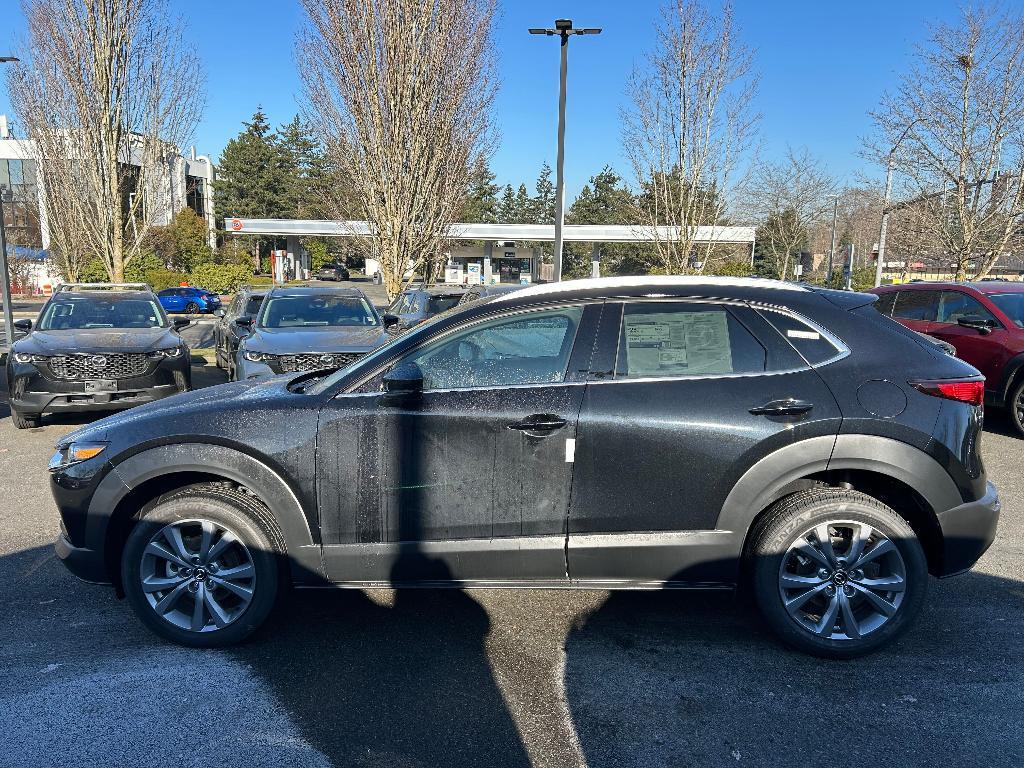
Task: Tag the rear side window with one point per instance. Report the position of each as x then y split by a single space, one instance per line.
670 339
955 304
252 306
813 345
440 304
916 305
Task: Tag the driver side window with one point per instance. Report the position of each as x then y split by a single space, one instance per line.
528 348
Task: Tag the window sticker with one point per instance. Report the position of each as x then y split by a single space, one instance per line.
677 343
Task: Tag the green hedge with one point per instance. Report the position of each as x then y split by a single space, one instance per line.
222 278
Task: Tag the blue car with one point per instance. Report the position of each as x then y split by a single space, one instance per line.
192 301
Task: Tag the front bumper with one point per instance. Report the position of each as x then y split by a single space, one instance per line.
32 392
83 563
968 531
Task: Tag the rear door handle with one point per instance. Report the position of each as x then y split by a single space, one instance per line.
788 406
540 422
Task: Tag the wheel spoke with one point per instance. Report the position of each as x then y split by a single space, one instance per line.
878 601
205 539
825 543
244 571
827 624
173 535
884 584
792 581
220 617
794 604
171 599
158 550
881 548
159 584
198 609
225 541
811 552
849 622
243 592
859 540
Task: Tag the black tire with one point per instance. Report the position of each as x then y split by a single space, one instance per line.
26 420
227 509
1015 406
793 518
218 359
191 308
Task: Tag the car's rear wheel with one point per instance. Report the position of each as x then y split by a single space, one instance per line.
26 420
1016 406
200 568
837 573
191 308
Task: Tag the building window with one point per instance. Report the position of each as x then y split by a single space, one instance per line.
194 197
21 216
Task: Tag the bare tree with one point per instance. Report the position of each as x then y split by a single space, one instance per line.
790 197
108 92
957 124
860 207
400 92
690 124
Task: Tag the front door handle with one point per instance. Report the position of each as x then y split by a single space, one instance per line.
788 406
539 422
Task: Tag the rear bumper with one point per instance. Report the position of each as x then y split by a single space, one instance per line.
83 563
968 531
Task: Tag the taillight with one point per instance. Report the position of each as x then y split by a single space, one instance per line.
971 391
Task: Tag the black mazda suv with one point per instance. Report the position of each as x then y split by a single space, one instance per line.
96 347
639 433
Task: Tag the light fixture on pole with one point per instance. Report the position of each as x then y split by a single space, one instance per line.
564 30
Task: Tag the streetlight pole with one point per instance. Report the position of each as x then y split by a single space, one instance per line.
5 280
564 29
832 249
883 228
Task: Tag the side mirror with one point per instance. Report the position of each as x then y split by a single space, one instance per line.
983 325
244 322
23 325
404 378
219 313
391 320
181 322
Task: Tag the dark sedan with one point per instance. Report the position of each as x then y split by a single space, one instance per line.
332 272
308 328
416 304
96 349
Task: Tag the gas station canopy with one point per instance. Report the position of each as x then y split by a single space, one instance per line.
584 233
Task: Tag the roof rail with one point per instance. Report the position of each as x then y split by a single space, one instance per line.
104 287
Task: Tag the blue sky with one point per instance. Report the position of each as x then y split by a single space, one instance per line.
823 66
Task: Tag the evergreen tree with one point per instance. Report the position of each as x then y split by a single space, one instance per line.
523 206
507 206
481 205
304 170
544 201
605 200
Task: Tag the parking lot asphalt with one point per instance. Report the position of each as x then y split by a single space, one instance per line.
495 678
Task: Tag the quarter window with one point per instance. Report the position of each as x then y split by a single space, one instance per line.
814 346
531 348
916 305
955 305
673 339
885 303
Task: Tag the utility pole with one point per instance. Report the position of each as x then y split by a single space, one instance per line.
5 279
883 228
564 29
832 248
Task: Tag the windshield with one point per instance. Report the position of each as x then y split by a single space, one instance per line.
313 311
1012 305
83 313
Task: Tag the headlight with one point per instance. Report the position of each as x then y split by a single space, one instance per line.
169 352
76 452
23 357
258 357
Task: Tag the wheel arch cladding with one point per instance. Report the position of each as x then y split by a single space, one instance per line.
148 475
881 467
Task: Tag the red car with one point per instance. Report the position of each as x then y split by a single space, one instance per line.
984 321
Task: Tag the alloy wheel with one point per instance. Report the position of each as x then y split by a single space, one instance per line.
197 575
842 580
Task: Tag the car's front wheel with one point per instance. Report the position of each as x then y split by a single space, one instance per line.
837 573
1016 407
191 308
26 420
199 568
